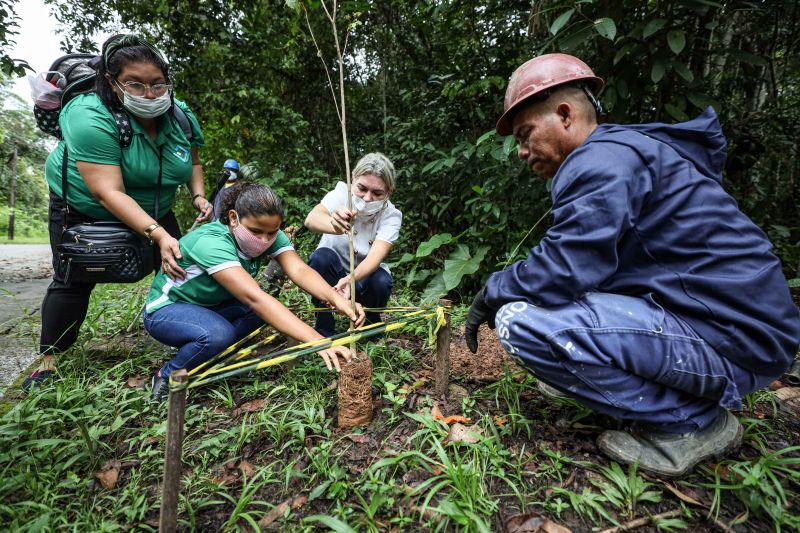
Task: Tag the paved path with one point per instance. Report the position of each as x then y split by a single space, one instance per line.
25 271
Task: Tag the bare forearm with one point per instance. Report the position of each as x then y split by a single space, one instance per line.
125 208
197 183
319 221
282 319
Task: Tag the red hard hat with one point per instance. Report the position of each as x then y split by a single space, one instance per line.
539 74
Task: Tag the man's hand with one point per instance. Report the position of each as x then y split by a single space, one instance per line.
479 312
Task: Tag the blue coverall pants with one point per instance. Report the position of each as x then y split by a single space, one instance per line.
626 357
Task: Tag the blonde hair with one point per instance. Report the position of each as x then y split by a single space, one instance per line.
378 165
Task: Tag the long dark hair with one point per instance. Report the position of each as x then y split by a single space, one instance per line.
121 50
250 199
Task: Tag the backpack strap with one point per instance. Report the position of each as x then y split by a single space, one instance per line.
126 133
183 120
124 127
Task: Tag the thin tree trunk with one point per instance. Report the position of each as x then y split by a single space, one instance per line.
12 200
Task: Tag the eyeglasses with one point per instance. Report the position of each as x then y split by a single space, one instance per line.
136 88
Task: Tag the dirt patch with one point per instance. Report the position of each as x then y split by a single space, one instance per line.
355 392
486 365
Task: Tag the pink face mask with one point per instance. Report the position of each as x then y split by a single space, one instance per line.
249 244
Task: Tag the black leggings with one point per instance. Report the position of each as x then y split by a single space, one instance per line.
65 304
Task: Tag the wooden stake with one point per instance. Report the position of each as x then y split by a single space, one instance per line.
442 371
170 489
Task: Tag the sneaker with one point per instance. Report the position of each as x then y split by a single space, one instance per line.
550 391
159 390
672 454
39 378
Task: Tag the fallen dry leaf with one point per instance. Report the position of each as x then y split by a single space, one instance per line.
457 393
227 479
455 419
775 385
533 523
299 501
683 496
247 469
500 421
109 474
788 399
274 513
462 433
358 439
253 405
436 413
135 382
567 482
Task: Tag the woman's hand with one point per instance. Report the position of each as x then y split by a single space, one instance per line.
341 218
343 287
170 253
205 208
331 357
344 307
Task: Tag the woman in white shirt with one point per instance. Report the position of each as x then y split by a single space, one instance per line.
376 226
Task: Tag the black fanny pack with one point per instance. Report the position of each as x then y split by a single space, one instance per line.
103 252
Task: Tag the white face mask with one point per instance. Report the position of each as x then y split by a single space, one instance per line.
367 208
144 107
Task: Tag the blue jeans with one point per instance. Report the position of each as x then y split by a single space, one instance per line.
199 332
372 291
626 357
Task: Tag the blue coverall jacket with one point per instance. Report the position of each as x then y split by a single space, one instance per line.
640 209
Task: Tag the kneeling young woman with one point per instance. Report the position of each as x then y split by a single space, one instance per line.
212 300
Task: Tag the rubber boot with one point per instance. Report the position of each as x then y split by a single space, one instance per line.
672 454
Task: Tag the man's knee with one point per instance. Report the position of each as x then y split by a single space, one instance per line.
516 328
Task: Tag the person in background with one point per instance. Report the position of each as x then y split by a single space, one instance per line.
218 302
376 226
230 173
652 298
110 183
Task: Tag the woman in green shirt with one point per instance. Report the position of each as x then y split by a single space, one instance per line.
107 182
217 301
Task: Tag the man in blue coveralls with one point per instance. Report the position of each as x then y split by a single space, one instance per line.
652 298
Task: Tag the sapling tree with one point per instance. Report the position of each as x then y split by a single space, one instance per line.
339 103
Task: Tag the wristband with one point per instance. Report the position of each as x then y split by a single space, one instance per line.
196 196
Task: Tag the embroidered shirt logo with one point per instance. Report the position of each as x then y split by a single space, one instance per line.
181 153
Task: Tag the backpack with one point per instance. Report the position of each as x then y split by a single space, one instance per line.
79 74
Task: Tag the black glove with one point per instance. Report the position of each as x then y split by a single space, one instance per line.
479 312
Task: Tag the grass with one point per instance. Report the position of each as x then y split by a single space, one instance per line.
25 239
288 466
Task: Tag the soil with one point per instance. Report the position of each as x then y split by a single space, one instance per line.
487 365
355 392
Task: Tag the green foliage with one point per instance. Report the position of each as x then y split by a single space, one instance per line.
764 485
8 29
425 83
23 149
625 491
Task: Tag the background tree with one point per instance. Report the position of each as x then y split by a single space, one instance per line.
23 150
425 83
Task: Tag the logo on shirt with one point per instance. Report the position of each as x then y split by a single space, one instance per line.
181 153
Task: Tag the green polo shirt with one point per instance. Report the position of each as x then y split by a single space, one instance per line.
91 135
205 251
